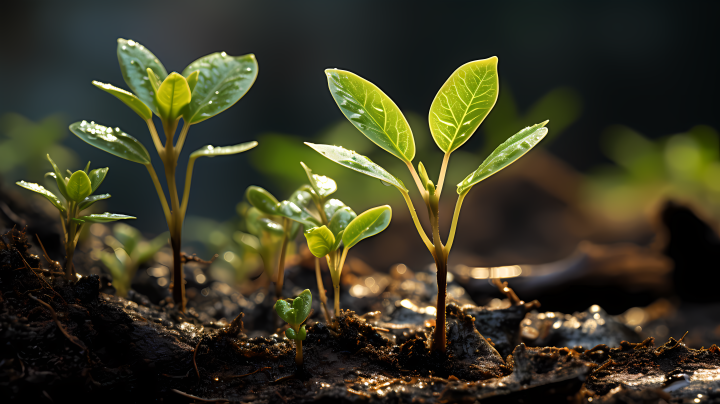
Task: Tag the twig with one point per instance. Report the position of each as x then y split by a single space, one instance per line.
194 258
39 277
680 340
505 289
54 264
75 340
194 355
206 400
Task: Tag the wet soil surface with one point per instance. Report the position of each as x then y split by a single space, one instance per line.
68 342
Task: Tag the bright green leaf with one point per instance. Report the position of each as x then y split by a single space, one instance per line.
97 176
423 175
302 334
372 112
222 80
104 217
367 224
285 311
172 96
302 305
258 224
134 60
262 200
192 79
44 192
505 154
79 186
301 198
128 98
463 102
59 179
340 220
90 200
293 212
357 162
320 241
212 151
332 206
290 333
155 82
322 185
113 141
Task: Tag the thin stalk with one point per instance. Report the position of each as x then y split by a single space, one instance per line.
69 246
155 138
281 262
321 290
416 177
161 194
298 350
186 188
176 218
439 343
181 139
420 230
453 227
441 178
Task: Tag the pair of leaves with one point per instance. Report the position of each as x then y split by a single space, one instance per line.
293 209
322 185
207 87
296 311
322 241
80 185
457 111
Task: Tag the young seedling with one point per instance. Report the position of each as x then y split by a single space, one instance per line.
272 217
77 191
457 111
295 312
130 250
206 87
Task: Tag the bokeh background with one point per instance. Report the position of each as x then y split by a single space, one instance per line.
630 89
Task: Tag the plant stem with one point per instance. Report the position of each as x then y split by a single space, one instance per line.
69 245
281 261
453 227
439 343
298 351
170 161
418 226
336 287
186 188
321 290
420 185
155 137
441 178
181 139
161 194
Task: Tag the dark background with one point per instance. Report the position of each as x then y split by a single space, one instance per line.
650 65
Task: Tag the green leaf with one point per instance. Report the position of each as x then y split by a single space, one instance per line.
44 192
261 199
104 217
372 112
134 60
463 102
79 186
340 220
507 153
367 224
302 334
59 179
97 176
320 241
128 98
290 333
332 206
222 80
192 79
87 168
90 200
293 212
322 185
155 82
113 141
357 162
423 175
148 250
285 311
172 96
301 198
212 151
128 236
302 305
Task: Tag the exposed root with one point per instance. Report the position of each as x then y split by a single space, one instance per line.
75 340
53 264
194 356
509 293
205 400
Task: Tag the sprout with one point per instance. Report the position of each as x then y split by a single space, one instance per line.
77 192
457 111
295 312
207 87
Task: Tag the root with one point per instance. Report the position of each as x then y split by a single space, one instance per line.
505 290
75 340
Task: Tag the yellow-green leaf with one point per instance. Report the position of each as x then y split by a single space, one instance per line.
44 192
320 241
322 185
126 97
367 224
113 141
79 186
172 96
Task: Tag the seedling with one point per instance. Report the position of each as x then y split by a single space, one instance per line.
457 111
130 250
269 217
295 312
77 191
206 87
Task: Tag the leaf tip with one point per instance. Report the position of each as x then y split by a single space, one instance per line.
544 123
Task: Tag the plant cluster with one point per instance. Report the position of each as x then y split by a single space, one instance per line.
295 312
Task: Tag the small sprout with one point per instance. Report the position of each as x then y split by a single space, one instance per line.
295 312
461 105
77 191
225 79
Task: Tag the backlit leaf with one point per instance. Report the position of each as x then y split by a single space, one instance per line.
59 179
463 102
322 185
332 206
44 192
192 79
262 200
302 305
320 241
302 333
97 176
293 212
212 151
79 186
90 200
285 311
505 154
222 80
367 224
173 95
113 141
104 217
134 60
128 98
372 112
340 220
357 162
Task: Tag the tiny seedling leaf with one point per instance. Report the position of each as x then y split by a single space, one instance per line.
126 97
285 311
113 141
340 220
212 151
332 206
44 192
134 60
192 79
357 162
302 305
90 200
79 186
263 200
320 240
372 112
293 212
505 154
302 199
290 333
155 82
367 224
97 176
463 102
222 80
104 217
322 185
172 96
302 333
423 175
59 179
